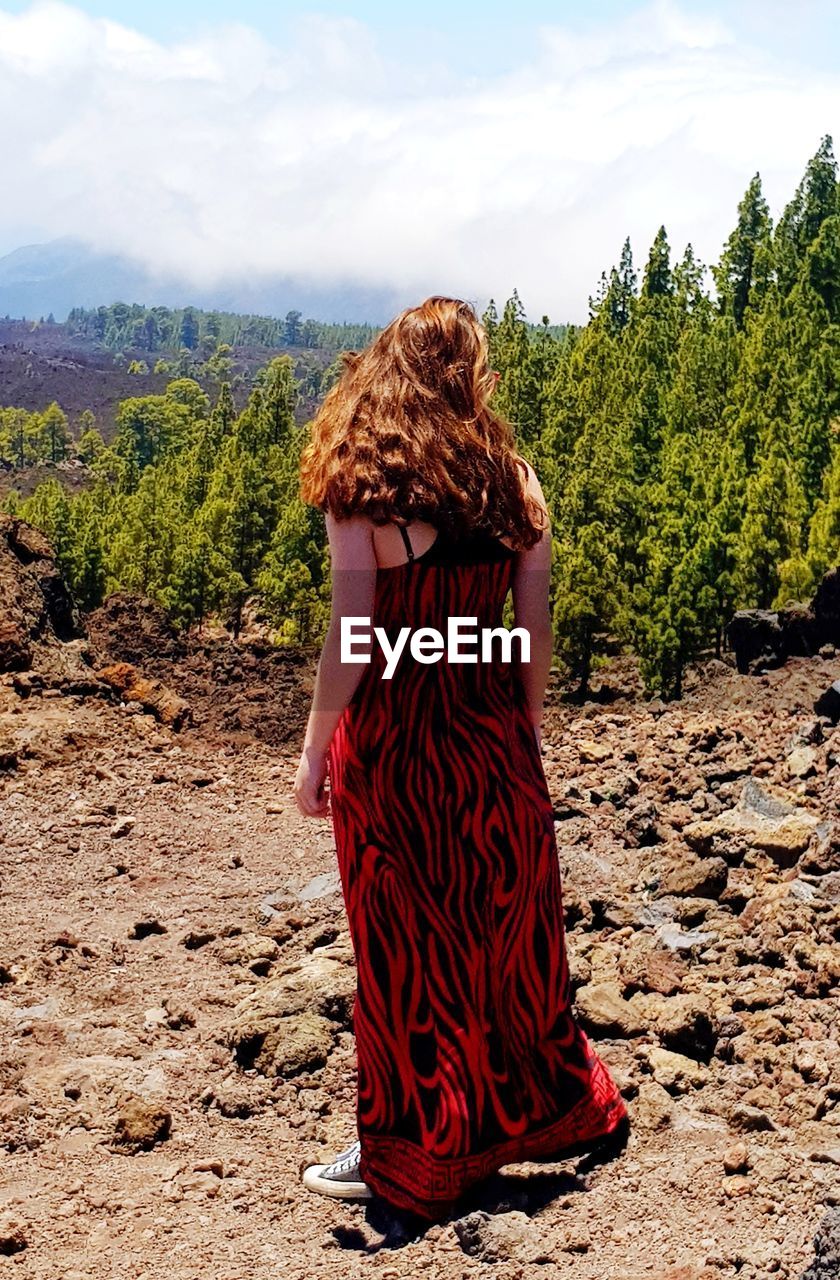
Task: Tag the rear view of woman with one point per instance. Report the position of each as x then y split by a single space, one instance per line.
469 1055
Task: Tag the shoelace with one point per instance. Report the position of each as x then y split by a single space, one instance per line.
345 1165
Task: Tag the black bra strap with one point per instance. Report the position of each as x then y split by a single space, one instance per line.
407 541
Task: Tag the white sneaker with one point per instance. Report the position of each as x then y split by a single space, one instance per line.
339 1179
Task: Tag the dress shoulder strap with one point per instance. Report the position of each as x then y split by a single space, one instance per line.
407 541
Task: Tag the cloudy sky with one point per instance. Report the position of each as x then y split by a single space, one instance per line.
492 146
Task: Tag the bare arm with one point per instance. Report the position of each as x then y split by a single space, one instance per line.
353 564
531 580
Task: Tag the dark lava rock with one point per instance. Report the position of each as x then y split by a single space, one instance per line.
826 1264
825 607
766 638
828 703
757 638
41 632
133 628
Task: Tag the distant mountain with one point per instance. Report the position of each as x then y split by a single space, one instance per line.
54 277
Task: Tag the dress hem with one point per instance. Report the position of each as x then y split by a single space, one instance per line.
409 1178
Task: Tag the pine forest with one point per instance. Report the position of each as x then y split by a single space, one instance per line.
686 438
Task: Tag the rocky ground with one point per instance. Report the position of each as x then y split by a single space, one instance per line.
176 979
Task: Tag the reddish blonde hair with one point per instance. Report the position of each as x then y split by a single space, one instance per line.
407 432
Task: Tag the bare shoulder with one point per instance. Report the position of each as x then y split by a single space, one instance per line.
533 488
351 542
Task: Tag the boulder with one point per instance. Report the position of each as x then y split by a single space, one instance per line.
828 703
736 1158
284 1046
693 877
821 858
757 639
674 1072
500 1237
289 1023
141 1124
825 608
684 1023
644 966
252 951
760 820
766 638
641 825
672 936
592 752
13 1236
603 1012
749 1119
152 694
40 628
801 762
133 629
653 1106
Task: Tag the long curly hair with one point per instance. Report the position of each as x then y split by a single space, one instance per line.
407 433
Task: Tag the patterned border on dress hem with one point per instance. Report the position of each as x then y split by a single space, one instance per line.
412 1178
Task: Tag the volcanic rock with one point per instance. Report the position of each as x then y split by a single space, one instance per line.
760 820
40 628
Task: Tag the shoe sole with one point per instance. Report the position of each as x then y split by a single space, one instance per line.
313 1181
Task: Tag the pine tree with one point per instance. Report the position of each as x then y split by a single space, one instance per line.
86 567
202 580
814 401
246 485
725 482
772 527
190 396
822 267
90 445
49 510
589 593
688 278
816 199
190 329
139 554
224 413
620 298
490 321
658 281
823 549
595 515
291 335
291 579
766 379
671 601
509 349
209 434
742 275
19 436
280 395
648 367
55 434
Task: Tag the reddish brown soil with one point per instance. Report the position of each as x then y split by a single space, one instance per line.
136 865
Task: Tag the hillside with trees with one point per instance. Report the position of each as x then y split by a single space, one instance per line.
686 438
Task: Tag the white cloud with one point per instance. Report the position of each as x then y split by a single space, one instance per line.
229 157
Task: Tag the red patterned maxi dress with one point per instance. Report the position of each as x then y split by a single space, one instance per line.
469 1056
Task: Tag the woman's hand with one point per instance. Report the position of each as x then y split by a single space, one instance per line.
538 735
309 791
